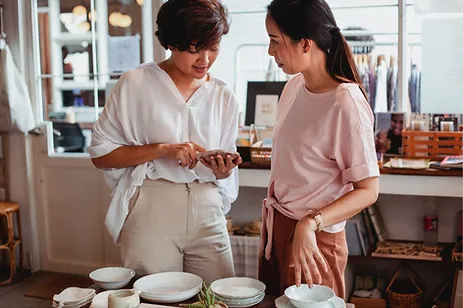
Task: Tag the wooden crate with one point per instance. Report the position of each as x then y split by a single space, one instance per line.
433 145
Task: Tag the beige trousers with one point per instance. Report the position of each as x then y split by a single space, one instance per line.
177 227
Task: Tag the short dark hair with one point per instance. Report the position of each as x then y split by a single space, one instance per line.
183 23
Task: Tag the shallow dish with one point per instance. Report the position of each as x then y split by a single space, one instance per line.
169 287
237 287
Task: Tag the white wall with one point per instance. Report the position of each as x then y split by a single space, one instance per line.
21 185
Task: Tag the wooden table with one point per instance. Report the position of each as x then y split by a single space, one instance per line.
267 302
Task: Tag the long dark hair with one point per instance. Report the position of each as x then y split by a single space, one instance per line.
314 20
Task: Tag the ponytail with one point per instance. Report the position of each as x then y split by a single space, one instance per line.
340 61
314 20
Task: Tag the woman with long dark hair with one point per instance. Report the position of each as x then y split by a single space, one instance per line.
324 166
167 210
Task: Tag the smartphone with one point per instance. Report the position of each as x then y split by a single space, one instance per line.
206 155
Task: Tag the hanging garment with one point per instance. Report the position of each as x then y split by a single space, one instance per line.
381 87
391 87
15 104
372 82
413 87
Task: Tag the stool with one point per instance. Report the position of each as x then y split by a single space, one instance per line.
7 209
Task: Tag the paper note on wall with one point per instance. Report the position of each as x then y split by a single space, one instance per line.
266 110
124 53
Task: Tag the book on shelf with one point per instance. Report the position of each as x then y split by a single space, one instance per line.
354 246
452 161
377 222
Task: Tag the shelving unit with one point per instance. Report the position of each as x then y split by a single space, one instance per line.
97 37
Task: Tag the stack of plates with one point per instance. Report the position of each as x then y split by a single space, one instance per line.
73 297
169 287
239 292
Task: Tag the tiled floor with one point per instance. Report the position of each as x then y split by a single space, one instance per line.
12 296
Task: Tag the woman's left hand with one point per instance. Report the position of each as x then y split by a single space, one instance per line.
221 166
306 257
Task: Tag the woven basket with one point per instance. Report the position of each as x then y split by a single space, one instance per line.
457 254
259 155
399 299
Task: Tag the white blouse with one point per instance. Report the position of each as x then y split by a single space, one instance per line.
146 107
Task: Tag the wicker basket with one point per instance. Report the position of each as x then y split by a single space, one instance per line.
457 253
259 155
402 296
433 145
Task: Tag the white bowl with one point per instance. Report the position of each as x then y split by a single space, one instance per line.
237 287
304 297
111 278
168 287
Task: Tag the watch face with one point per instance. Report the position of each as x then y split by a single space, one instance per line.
312 213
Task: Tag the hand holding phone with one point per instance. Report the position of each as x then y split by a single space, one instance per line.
220 161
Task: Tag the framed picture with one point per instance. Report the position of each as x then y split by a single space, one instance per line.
389 126
261 102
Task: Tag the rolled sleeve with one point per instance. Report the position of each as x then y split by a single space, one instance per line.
108 133
356 153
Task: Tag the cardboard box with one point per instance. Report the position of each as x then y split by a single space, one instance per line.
360 302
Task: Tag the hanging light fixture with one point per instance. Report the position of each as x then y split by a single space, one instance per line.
117 19
114 18
92 14
79 10
125 21
84 26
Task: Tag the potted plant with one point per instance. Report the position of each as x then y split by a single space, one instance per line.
206 299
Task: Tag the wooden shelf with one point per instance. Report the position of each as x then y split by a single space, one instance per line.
397 171
446 257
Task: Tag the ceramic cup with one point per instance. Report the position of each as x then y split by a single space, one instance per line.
124 299
256 225
229 223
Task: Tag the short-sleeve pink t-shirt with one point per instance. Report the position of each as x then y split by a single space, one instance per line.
322 143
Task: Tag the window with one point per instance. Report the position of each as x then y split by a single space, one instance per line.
79 40
244 55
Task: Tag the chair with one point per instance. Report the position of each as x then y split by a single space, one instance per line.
8 209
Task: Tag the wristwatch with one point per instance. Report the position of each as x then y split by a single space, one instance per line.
318 217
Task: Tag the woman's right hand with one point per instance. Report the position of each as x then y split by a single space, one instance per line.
306 258
184 153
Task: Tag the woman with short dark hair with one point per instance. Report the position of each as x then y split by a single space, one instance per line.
168 211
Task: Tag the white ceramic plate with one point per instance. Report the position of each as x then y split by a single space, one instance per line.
237 287
169 287
73 295
284 302
238 300
243 303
